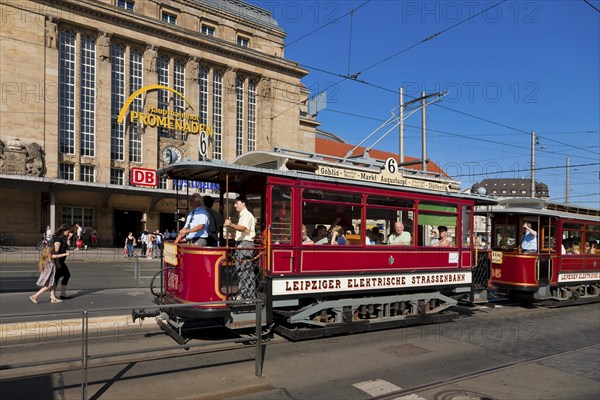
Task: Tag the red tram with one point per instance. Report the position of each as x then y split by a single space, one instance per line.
314 290
566 264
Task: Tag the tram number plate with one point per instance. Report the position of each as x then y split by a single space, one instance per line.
496 273
173 281
496 257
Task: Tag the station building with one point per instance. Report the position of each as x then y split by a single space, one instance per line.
98 95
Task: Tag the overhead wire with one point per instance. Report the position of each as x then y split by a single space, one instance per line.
354 77
327 24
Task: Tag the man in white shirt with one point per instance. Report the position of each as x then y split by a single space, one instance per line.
244 239
399 237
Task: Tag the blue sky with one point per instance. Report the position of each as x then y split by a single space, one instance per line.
519 67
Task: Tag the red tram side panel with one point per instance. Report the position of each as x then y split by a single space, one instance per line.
194 274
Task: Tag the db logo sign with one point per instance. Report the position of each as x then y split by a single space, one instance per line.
144 177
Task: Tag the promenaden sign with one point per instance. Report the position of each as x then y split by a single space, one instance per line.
159 117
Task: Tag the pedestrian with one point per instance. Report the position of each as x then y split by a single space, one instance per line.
142 242
196 224
79 232
129 244
94 236
47 266
62 237
244 240
150 240
158 243
48 234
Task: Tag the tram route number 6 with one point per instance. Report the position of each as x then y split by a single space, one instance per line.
203 144
391 165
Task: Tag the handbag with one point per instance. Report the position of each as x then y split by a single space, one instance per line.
124 251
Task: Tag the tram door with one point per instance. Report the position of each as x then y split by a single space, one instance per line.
281 217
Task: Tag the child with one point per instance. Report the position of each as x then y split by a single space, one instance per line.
47 274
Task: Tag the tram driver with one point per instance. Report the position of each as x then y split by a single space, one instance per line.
529 242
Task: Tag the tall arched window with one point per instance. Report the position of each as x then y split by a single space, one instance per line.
218 115
136 80
87 111
251 115
66 112
117 99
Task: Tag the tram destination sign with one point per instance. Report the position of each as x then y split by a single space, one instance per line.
385 177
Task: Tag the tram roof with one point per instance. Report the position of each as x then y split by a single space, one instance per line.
297 164
543 207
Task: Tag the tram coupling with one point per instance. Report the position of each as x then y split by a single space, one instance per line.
142 314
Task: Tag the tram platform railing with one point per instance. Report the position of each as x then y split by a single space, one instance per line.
85 357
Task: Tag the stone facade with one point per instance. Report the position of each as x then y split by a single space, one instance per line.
68 66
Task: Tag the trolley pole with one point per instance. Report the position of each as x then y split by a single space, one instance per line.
401 125
423 133
532 164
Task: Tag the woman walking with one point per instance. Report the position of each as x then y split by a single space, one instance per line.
47 268
61 244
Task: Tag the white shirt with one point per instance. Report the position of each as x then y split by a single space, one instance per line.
403 238
197 217
247 221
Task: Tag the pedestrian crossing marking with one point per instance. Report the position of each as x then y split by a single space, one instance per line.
378 387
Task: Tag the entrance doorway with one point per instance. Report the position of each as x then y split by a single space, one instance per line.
125 222
167 221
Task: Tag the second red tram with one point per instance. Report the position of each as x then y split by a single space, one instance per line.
369 282
565 264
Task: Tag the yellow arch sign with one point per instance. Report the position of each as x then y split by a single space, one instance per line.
143 90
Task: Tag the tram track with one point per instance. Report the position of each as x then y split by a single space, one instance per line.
477 374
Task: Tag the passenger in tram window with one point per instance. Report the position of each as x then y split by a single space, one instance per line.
195 230
576 248
529 242
399 237
321 235
562 246
369 238
435 241
445 240
305 238
245 231
568 245
337 236
376 236
590 247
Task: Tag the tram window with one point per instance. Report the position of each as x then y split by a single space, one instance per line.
466 225
547 236
281 225
571 237
505 236
592 236
432 216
